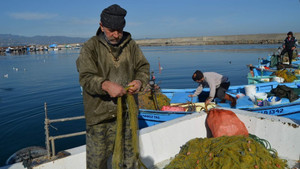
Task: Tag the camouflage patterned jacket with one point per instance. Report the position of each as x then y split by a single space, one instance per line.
98 61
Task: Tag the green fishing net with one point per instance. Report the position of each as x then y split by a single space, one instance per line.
287 75
118 154
146 100
226 152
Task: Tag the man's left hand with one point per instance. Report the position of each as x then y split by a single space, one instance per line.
207 101
135 86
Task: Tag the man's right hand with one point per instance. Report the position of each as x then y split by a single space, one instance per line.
190 95
113 89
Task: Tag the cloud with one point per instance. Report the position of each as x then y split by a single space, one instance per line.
83 21
32 16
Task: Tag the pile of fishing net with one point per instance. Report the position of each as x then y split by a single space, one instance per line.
286 56
287 75
227 152
146 99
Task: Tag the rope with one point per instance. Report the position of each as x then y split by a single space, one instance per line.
205 109
265 143
117 159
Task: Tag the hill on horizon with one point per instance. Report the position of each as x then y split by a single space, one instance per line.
17 40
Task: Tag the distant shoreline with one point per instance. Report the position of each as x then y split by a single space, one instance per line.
276 38
217 40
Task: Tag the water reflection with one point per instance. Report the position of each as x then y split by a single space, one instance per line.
52 77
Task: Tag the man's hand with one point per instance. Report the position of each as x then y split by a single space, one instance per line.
207 101
135 86
190 95
293 48
113 89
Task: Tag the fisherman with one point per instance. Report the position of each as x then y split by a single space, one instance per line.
290 44
108 62
217 83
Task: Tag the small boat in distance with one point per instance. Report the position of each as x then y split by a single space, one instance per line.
266 68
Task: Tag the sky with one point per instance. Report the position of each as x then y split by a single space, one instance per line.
151 18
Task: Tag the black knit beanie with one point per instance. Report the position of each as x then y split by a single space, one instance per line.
113 17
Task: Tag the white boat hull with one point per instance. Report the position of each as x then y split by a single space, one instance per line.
161 142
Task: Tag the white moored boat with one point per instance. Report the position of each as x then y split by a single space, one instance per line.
159 143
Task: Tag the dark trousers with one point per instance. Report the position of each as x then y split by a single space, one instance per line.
221 91
290 54
100 139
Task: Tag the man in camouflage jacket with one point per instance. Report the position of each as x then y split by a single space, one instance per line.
108 62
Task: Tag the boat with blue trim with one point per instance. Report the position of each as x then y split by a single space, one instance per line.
179 97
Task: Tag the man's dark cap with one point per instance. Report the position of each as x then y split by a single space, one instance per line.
290 33
198 75
113 17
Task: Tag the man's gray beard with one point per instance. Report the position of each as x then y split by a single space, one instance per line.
109 42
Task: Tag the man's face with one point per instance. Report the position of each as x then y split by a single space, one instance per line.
113 36
200 81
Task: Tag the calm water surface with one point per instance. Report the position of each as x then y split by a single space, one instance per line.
28 81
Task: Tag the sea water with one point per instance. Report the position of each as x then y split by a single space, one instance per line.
29 81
